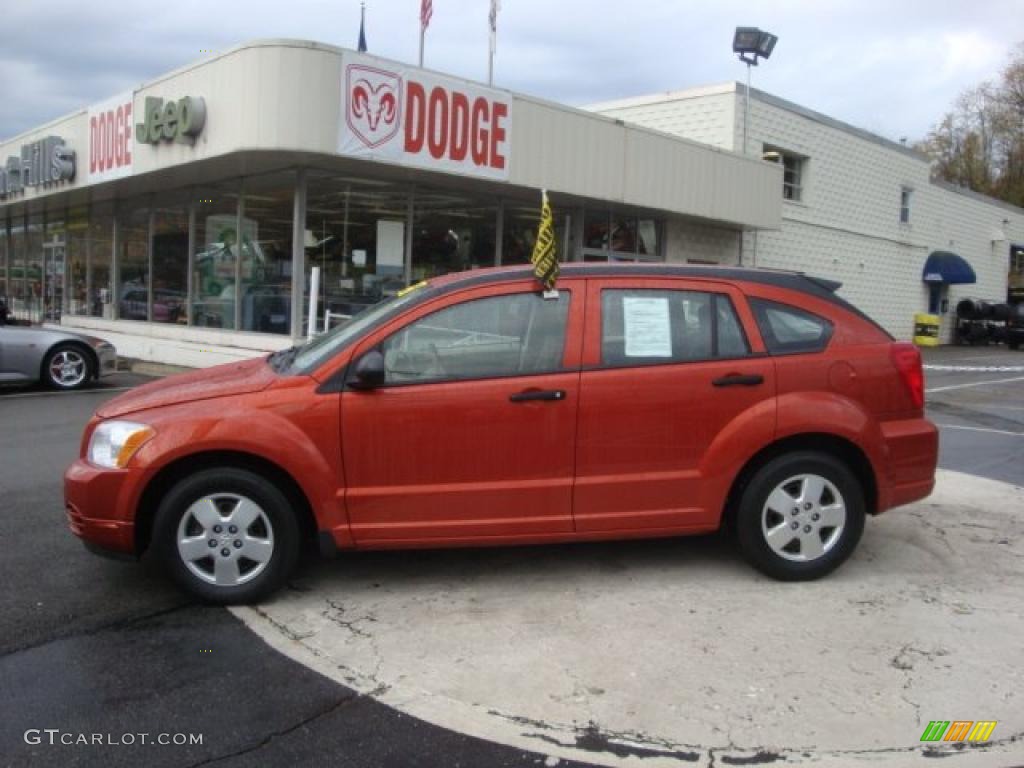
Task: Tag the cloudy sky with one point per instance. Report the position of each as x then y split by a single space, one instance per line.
892 67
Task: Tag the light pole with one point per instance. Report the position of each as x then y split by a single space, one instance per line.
750 43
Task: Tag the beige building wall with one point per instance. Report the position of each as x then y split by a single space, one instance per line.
846 226
285 96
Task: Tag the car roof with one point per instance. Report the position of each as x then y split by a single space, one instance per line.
796 280
820 288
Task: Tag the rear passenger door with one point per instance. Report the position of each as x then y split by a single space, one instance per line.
674 382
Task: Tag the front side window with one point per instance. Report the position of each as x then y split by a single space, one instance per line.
641 326
514 335
788 330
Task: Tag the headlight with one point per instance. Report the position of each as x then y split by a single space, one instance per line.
113 443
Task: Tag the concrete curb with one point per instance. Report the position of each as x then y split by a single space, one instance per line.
145 368
675 653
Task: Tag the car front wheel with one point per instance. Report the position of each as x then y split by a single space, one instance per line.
66 367
227 535
800 516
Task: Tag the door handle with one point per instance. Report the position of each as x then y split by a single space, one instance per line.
739 380
537 394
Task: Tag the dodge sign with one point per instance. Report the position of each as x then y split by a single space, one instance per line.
408 116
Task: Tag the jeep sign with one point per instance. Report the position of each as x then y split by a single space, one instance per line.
180 121
412 117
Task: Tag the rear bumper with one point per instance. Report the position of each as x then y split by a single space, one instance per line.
911 449
96 502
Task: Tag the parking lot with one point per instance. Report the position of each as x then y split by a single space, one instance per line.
667 652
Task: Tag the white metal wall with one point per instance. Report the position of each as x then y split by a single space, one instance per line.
846 225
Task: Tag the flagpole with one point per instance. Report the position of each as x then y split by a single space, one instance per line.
492 22
423 31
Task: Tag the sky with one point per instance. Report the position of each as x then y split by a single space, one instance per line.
890 67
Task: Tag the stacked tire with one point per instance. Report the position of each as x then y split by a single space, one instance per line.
984 322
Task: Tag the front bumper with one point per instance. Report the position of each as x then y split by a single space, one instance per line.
107 358
99 508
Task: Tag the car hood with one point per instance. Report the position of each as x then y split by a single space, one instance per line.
219 381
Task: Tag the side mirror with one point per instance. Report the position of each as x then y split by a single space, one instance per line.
369 371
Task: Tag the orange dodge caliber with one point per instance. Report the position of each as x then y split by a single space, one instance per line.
472 409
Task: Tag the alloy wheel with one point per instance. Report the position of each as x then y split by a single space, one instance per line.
225 539
803 518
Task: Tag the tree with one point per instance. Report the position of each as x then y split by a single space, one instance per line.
979 144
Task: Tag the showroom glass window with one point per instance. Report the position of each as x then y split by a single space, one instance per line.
609 236
170 259
515 335
76 280
452 232
16 257
519 231
355 232
54 255
5 264
34 266
265 249
215 255
101 299
133 278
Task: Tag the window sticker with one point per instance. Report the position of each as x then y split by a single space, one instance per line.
648 327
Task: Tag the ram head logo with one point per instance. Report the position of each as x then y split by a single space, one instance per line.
374 104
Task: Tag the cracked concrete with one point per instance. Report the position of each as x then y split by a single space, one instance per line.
676 653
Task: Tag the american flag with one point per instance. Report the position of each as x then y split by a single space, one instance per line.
426 11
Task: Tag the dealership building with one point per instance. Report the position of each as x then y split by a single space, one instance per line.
856 207
183 220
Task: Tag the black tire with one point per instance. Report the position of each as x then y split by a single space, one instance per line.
755 515
225 485
79 372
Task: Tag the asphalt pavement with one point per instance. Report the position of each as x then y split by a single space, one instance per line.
90 646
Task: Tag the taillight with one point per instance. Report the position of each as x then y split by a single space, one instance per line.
907 360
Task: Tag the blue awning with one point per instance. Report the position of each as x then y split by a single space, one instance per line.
946 267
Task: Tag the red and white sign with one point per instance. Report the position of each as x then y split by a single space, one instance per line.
111 139
408 116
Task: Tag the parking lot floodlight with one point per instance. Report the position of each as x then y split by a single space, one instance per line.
745 41
765 44
751 43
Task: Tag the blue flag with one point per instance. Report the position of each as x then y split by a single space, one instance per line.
362 30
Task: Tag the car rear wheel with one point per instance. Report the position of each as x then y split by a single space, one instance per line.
67 366
800 516
227 535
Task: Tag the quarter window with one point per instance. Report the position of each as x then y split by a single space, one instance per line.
788 330
514 335
656 326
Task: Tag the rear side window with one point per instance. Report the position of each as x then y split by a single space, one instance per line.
641 326
789 330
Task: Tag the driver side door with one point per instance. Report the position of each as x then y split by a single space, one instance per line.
472 435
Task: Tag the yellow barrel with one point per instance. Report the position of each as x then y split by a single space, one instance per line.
926 330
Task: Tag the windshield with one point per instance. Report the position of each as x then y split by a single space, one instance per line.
312 355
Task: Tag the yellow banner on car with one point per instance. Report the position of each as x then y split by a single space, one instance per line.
545 257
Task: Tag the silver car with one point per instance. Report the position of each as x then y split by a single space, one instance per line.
59 359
